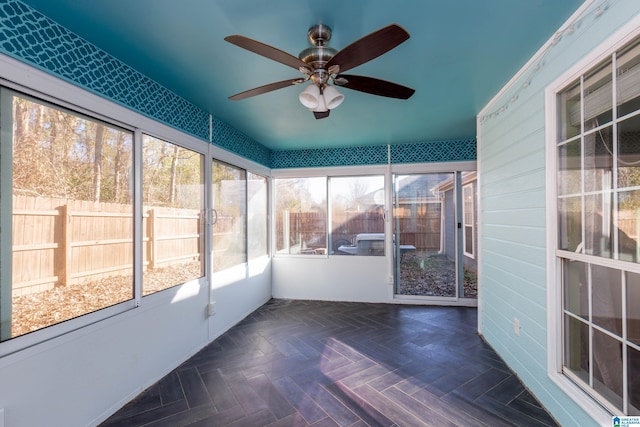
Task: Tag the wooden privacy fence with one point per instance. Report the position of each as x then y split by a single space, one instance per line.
58 242
172 236
306 228
420 228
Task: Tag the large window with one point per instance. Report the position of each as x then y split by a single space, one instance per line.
173 202
67 215
69 233
257 216
229 211
357 215
598 224
468 219
301 215
354 225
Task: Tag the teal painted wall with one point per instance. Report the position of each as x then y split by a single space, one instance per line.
512 169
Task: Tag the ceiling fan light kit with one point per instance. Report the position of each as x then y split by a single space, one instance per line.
317 98
321 65
310 96
321 106
332 97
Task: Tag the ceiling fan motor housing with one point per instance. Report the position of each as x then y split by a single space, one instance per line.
319 35
319 54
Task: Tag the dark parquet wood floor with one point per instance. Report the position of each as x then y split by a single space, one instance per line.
307 363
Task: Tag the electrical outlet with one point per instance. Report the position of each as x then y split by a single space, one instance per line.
211 308
516 327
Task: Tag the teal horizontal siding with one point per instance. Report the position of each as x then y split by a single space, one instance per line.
513 196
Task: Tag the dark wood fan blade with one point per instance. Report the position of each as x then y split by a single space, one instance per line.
267 51
264 89
369 47
376 86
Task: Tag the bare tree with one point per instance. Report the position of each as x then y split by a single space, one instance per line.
97 162
173 180
120 162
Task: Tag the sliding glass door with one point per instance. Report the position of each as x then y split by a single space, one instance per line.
433 256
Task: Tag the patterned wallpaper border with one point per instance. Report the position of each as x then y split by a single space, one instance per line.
435 151
421 152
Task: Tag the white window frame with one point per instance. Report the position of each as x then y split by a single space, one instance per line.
330 202
9 90
555 343
139 141
22 78
265 253
327 173
472 225
244 213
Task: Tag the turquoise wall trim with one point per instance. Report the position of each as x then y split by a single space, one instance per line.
423 152
435 151
233 140
348 156
29 36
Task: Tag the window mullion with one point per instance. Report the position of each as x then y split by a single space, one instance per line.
590 304
625 367
329 223
616 244
583 214
246 219
614 143
138 232
6 214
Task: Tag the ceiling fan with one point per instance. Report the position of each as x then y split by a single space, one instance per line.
323 65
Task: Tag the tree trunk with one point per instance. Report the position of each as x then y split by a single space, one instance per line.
97 164
117 178
174 172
